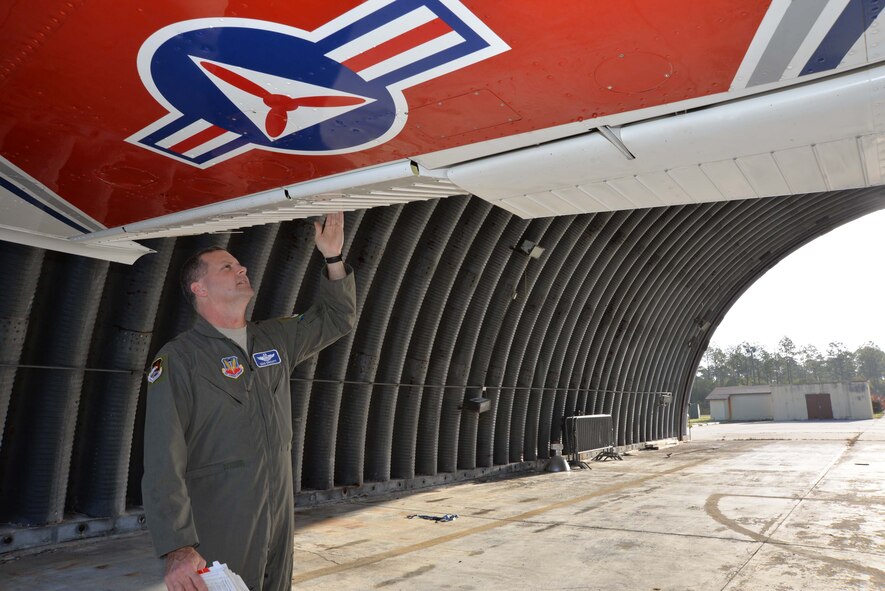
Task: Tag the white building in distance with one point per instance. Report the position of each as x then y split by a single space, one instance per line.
800 402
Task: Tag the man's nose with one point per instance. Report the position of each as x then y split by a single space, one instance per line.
242 270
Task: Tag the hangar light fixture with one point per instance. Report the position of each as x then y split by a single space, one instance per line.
530 248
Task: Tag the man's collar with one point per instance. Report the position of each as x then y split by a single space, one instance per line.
206 328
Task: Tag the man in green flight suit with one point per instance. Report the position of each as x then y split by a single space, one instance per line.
218 430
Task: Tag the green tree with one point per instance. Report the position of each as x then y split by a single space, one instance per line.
769 368
737 366
870 362
719 366
840 362
813 365
787 352
752 371
751 364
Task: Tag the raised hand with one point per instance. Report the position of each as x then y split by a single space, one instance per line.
329 237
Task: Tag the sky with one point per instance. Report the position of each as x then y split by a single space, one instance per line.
832 289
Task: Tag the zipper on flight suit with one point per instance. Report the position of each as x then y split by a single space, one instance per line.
271 509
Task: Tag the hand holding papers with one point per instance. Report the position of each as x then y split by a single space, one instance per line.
220 578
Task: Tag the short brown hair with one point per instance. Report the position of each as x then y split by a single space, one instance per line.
193 270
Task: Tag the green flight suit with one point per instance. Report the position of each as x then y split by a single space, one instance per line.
218 438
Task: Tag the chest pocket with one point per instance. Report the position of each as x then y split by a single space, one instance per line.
234 393
221 387
221 427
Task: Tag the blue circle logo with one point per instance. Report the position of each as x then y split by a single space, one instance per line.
233 84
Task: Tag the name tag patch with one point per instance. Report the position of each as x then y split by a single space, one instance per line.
266 358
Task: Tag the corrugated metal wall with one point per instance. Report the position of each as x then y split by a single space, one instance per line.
619 308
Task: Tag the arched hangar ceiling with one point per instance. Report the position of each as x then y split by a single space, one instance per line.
618 308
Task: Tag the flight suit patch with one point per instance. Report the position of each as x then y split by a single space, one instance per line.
155 371
266 358
231 368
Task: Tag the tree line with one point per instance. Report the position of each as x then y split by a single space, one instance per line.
750 365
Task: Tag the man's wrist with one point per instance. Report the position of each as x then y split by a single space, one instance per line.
334 259
183 551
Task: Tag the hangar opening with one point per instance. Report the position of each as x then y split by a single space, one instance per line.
802 342
467 354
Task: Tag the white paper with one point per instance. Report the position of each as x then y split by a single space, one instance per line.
221 578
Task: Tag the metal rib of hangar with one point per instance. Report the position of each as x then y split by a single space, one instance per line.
617 309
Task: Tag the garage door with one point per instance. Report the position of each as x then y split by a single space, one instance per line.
819 406
751 407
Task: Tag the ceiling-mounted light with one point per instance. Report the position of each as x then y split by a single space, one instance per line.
530 248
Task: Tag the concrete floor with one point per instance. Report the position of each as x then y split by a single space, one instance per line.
748 506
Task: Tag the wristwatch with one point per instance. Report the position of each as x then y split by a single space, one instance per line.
335 259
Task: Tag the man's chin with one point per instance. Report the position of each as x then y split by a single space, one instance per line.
243 293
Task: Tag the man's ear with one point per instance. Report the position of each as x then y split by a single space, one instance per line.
198 289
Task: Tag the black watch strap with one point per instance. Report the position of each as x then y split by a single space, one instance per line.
334 259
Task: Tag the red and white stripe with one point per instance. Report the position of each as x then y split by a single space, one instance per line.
403 41
197 138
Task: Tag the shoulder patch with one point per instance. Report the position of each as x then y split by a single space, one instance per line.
155 371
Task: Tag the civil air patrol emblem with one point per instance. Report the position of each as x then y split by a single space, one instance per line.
231 85
266 358
231 368
155 371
